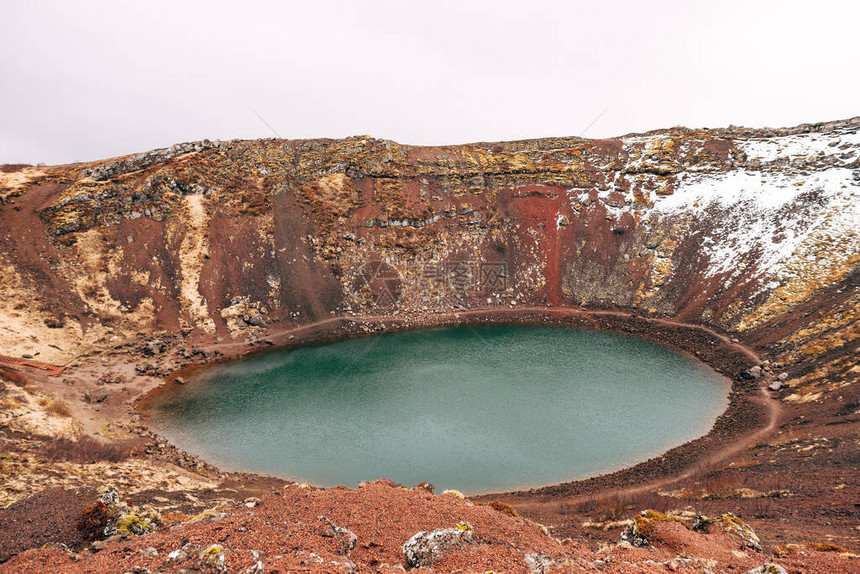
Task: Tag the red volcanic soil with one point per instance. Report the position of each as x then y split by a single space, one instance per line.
47 516
291 530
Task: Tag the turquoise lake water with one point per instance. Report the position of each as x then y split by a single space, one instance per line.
473 408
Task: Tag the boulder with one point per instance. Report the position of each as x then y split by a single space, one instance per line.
539 563
119 517
177 555
641 531
345 537
752 373
731 525
95 396
213 558
425 548
768 568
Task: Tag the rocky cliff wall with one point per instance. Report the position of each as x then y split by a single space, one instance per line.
754 232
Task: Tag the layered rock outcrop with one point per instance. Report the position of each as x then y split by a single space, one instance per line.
744 230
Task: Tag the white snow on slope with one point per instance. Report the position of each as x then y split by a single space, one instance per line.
766 214
803 146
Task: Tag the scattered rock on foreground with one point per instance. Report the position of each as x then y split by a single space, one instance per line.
304 529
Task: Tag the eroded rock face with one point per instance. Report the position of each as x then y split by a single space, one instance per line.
121 166
745 230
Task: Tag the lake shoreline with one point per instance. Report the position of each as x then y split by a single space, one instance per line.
741 418
528 395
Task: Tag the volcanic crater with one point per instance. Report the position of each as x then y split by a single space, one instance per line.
738 246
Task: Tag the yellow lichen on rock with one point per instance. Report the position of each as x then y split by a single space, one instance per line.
838 327
826 257
331 197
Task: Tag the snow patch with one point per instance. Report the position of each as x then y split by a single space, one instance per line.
800 146
762 217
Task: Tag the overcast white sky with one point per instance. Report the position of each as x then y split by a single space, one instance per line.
88 80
